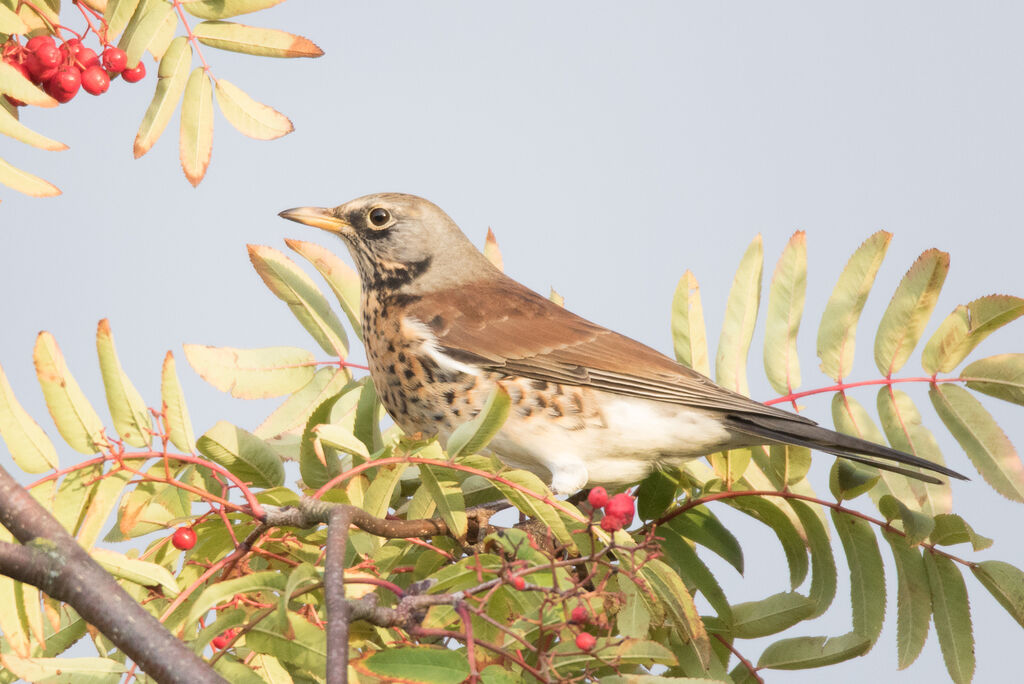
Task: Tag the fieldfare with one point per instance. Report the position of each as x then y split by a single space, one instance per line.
442 327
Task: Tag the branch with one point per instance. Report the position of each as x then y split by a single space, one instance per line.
52 560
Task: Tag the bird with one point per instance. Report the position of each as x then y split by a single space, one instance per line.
443 327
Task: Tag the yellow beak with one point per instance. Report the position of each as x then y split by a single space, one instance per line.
318 217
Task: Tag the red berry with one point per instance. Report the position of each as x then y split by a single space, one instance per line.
184 538
621 506
42 62
136 74
219 641
598 497
579 615
65 84
34 44
95 80
611 523
585 641
86 58
24 72
72 47
115 60
519 583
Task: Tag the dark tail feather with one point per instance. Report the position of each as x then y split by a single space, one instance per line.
813 436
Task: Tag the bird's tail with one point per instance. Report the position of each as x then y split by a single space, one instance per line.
807 434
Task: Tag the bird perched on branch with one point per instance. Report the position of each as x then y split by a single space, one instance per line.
443 326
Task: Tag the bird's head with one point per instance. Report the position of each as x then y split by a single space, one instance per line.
399 242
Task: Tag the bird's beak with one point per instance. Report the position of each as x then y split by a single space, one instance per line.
317 217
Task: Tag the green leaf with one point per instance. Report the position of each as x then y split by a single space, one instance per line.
139 34
302 646
296 409
243 454
196 144
127 409
474 435
823 563
792 543
655 494
13 128
171 78
535 508
786 296
984 441
633 620
851 418
248 116
31 449
689 335
14 83
297 290
777 613
446 492
220 592
1006 583
799 653
621 651
679 608
965 328
342 279
1000 376
426 664
252 373
952 529
377 499
700 525
694 572
838 330
318 465
917 526
140 572
15 631
252 40
75 418
952 615
179 425
909 310
25 182
905 431
740 319
867 575
913 599
224 9
117 14
789 463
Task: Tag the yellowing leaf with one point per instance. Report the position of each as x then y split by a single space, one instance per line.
172 75
11 22
785 309
141 32
907 314
689 335
252 40
965 328
248 116
740 318
252 373
344 281
13 128
117 15
224 9
28 444
179 426
127 408
196 143
75 418
25 182
17 86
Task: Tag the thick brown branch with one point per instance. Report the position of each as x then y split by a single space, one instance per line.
53 561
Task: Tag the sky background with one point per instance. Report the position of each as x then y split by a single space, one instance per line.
610 146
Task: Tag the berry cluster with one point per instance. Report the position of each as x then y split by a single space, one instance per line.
63 70
618 510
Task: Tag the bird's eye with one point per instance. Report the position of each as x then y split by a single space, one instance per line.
379 217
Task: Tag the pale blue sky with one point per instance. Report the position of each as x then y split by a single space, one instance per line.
610 146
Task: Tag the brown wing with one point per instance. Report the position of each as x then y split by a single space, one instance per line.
505 326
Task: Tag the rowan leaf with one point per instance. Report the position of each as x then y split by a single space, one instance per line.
196 144
786 296
965 328
242 453
689 336
252 40
771 615
248 116
25 182
225 9
913 599
30 448
1000 376
117 15
474 435
179 425
143 29
75 418
252 373
951 612
799 653
740 319
1006 584
908 312
867 574
171 78
838 330
12 128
